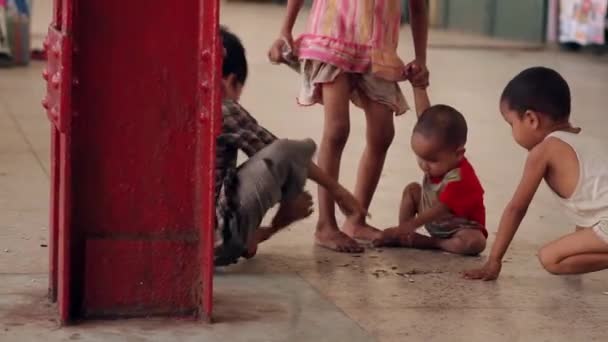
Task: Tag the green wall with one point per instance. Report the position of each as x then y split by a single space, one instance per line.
521 19
511 19
470 15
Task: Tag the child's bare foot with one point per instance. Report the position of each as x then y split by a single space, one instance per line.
251 251
261 235
360 230
291 211
288 213
420 241
332 238
393 238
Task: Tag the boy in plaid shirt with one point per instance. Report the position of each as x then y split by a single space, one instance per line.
276 172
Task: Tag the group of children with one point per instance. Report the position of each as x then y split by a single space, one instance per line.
348 53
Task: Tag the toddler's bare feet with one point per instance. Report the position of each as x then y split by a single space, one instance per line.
395 238
330 237
358 229
392 237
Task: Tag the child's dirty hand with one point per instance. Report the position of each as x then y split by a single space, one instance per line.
349 205
489 271
275 54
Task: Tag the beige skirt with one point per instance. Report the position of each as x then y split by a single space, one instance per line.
315 74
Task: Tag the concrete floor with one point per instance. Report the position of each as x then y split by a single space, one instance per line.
294 291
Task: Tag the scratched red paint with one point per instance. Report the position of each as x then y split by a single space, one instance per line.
132 175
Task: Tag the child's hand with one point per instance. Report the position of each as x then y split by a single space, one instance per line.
294 210
275 54
418 74
489 271
348 204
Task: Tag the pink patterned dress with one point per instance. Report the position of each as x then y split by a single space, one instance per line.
358 37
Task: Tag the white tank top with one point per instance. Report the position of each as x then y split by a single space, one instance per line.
588 205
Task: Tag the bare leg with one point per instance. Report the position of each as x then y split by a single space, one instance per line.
464 242
289 212
410 202
336 97
379 135
576 253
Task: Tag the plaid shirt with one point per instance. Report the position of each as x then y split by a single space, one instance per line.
240 131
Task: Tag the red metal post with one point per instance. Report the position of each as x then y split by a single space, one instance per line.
210 65
58 103
54 217
134 101
54 214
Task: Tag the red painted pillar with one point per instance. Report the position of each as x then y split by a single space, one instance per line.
133 97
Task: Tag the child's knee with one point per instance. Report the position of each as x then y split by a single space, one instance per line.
549 260
476 246
473 246
412 191
337 133
277 154
382 138
468 244
288 159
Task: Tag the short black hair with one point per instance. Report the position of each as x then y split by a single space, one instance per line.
235 61
539 89
445 123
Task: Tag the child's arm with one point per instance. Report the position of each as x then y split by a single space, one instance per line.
349 205
276 50
421 99
416 70
432 214
293 8
420 28
534 171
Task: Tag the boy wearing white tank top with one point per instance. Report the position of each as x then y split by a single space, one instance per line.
536 103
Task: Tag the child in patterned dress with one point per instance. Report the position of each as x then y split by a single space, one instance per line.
349 52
